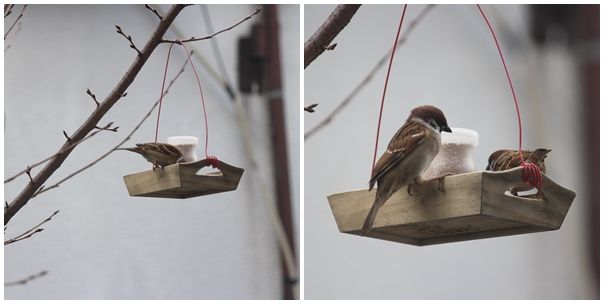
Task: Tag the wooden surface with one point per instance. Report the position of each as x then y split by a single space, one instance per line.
182 181
473 206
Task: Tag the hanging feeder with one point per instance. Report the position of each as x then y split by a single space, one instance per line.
473 206
182 179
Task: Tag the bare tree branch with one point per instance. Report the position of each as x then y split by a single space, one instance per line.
26 280
129 38
311 108
119 145
217 33
93 119
10 179
67 136
369 76
154 11
19 28
321 39
16 20
30 232
114 129
93 96
8 9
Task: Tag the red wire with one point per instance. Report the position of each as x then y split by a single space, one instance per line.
509 81
531 172
161 94
203 103
213 160
377 136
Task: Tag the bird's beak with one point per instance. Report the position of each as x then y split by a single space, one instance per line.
446 129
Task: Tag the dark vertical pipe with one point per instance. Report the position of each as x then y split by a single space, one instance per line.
273 90
581 24
587 30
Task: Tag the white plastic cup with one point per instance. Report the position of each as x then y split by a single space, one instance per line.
186 145
455 155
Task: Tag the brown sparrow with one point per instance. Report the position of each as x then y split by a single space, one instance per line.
409 154
159 154
501 160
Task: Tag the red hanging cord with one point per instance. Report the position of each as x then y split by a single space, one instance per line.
161 94
212 159
531 172
377 136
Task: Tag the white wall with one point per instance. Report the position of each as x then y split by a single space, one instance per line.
107 245
449 61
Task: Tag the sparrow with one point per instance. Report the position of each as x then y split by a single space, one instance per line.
501 160
409 153
159 154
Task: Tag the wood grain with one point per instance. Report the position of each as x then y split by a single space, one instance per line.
182 181
473 206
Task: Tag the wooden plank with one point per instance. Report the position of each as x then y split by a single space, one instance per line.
183 181
153 181
473 206
548 212
461 198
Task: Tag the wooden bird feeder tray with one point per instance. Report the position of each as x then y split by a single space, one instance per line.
474 206
183 181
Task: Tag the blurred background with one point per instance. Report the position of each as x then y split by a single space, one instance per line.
450 61
105 244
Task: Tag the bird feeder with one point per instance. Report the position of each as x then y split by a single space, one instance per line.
183 180
473 206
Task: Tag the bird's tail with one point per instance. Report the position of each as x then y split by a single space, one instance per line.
377 204
128 149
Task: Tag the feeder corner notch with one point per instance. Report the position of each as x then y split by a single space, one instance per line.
473 206
182 181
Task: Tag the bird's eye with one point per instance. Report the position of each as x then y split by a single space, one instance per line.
434 124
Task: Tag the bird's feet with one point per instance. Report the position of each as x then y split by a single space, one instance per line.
416 183
410 189
441 181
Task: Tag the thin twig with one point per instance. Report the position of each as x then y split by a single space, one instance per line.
16 20
154 11
226 80
32 231
60 152
369 76
8 9
93 96
129 38
93 119
333 25
119 145
67 136
331 47
17 31
28 172
213 35
26 280
311 108
114 129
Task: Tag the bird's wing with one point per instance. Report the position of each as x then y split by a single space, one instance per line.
169 149
406 139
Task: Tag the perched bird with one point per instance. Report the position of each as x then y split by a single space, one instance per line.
502 160
159 154
408 155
